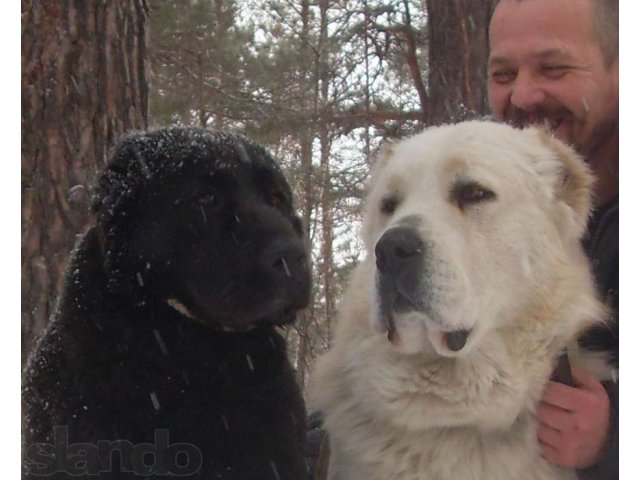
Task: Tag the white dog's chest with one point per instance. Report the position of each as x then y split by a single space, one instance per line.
443 455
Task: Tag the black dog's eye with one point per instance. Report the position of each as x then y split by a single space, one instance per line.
388 205
464 194
206 196
277 199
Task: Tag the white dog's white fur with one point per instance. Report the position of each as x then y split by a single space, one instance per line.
509 268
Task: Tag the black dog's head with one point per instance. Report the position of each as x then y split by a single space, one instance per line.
205 221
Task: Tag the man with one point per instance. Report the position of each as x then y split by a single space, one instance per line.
556 62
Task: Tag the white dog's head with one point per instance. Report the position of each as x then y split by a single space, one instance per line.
467 225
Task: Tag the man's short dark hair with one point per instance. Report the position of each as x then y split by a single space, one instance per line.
605 27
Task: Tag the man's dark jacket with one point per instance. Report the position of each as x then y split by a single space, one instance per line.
601 244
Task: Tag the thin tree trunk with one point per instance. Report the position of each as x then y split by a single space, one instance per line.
306 158
326 200
412 62
84 83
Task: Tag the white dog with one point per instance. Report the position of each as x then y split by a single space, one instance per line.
474 283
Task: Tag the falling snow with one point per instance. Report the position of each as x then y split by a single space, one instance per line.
242 152
275 470
224 421
161 344
154 400
286 267
250 362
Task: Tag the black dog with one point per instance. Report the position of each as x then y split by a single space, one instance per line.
162 359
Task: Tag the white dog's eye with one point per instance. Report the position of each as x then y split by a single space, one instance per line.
468 193
388 205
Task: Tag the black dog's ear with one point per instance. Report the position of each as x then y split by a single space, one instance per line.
120 181
116 196
108 193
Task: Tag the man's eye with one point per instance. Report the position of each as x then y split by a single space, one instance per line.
554 71
503 76
466 194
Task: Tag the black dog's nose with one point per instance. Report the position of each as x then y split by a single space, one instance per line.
398 247
286 259
287 263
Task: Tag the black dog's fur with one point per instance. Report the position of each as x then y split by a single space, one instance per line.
166 320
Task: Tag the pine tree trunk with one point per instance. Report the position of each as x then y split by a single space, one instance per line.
458 49
84 83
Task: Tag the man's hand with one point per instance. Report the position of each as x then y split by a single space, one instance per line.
574 422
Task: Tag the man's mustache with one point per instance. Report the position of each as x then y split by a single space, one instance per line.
546 116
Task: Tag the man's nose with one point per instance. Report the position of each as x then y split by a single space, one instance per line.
526 94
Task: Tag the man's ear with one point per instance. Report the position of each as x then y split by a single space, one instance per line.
574 182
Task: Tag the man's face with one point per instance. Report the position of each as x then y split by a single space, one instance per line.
546 66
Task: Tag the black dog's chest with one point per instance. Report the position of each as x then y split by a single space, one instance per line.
171 363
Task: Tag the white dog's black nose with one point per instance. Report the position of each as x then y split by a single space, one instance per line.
398 247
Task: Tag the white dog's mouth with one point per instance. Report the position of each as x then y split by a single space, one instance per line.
412 331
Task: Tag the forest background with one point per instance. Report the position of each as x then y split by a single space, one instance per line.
322 83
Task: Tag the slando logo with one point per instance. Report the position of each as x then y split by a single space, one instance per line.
158 458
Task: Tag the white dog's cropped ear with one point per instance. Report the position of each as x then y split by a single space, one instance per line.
384 154
371 218
575 181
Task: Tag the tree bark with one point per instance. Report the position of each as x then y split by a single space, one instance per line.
412 62
84 83
458 50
